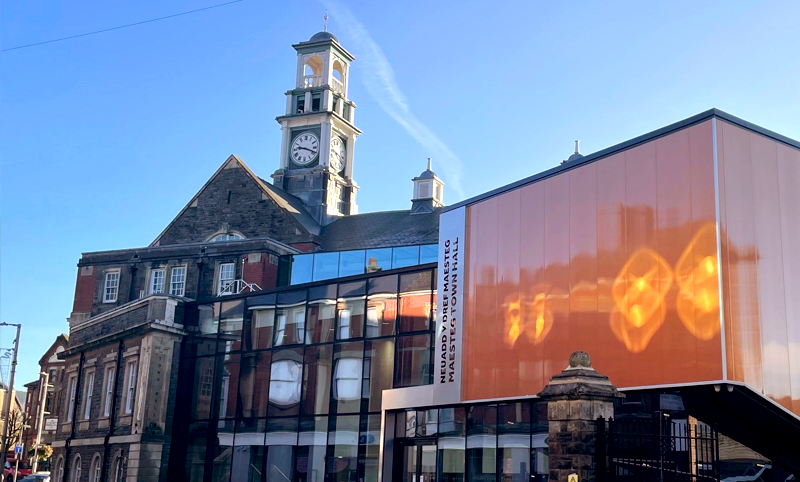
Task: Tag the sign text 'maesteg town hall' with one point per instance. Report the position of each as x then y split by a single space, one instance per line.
447 364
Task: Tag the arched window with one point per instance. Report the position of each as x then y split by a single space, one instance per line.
97 467
338 77
76 469
59 470
312 72
227 237
116 475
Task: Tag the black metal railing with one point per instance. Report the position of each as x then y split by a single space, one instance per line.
656 449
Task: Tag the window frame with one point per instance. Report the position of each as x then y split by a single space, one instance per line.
72 385
87 394
76 470
108 390
177 269
95 469
151 286
131 376
106 280
220 279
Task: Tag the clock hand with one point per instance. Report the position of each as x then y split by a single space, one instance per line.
306 148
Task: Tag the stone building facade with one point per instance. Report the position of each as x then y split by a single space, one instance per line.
115 394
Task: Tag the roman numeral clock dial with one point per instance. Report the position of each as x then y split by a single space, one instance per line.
305 148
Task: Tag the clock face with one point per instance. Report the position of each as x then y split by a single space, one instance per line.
338 154
305 148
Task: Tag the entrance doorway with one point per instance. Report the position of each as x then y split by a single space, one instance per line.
417 462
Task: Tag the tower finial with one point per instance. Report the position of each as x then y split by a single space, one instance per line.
326 20
577 147
429 164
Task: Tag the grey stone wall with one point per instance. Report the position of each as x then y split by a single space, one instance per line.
234 198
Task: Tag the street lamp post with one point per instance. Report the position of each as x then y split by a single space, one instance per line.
10 393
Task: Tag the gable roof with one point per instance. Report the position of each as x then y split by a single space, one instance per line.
381 230
291 205
52 351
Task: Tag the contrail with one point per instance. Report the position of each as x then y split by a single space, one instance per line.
382 86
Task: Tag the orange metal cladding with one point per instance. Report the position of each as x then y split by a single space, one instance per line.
759 181
616 257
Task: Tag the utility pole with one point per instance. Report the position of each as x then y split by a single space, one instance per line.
44 386
10 393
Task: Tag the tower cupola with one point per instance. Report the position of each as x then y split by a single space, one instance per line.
316 163
428 191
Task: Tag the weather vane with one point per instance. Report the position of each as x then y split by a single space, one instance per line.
326 20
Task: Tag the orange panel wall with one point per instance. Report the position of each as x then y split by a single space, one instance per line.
759 182
617 257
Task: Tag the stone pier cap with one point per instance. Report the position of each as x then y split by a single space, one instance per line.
579 381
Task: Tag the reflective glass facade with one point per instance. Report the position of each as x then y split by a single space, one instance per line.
287 385
306 268
487 443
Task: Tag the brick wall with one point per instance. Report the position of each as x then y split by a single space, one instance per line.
84 290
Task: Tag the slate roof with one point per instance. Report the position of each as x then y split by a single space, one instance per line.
292 205
381 230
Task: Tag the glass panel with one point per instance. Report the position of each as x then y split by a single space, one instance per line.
413 361
321 319
311 450
351 318
196 452
381 315
301 268
348 369
378 372
280 463
410 463
351 310
229 386
428 254
379 259
326 266
427 463
290 319
514 441
254 383
248 453
381 306
207 321
221 462
369 450
482 443
351 263
285 380
262 326
230 323
451 444
281 431
317 380
203 387
406 256
343 449
427 422
415 301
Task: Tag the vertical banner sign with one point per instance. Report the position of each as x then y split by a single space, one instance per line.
449 308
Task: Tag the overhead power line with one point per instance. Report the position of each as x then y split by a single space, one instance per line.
120 27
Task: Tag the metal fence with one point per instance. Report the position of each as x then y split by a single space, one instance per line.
656 449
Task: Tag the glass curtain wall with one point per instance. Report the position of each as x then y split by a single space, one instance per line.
505 442
288 385
306 268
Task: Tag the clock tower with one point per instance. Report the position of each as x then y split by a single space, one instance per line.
318 131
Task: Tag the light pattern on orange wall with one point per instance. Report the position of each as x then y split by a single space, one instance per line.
639 291
697 273
591 259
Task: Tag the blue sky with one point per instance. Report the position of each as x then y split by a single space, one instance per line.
106 137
